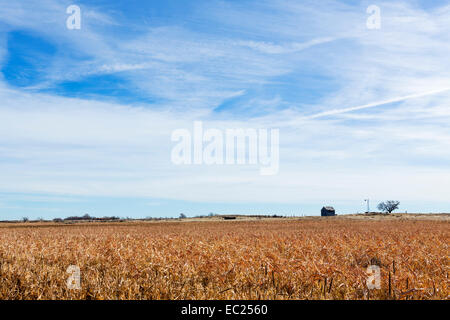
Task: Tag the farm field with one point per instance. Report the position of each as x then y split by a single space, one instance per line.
306 258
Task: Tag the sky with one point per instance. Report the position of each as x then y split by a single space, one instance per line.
86 115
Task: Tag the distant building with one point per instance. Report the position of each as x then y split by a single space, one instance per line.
328 211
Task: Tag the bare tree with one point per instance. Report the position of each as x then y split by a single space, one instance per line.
388 206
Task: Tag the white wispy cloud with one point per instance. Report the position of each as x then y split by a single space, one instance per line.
271 48
375 104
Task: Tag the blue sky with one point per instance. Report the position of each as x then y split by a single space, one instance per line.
86 115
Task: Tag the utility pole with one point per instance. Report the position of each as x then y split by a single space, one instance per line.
368 206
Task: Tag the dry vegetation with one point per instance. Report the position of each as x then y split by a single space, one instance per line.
277 259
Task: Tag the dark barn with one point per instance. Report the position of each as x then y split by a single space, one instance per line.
328 211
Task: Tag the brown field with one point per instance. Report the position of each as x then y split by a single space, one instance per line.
309 258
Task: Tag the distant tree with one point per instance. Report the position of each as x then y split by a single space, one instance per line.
182 216
25 219
388 206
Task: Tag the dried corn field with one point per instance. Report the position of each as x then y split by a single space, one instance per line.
260 259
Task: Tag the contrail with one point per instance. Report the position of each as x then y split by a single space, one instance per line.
374 104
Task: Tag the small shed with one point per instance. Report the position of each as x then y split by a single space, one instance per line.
327 211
